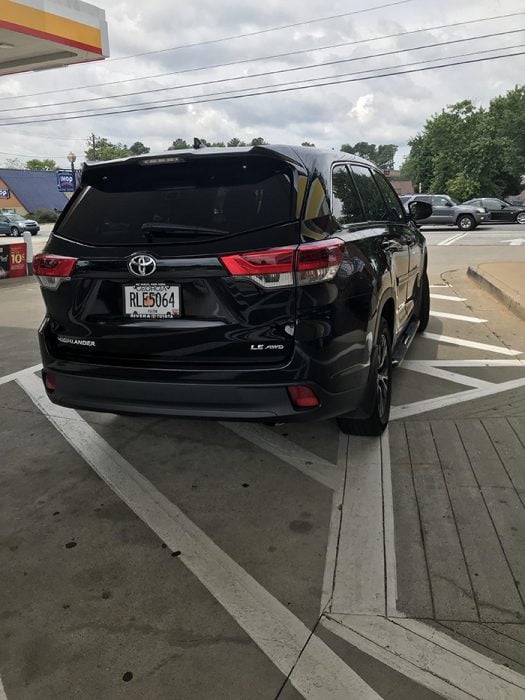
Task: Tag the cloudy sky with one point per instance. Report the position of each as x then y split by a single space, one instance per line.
379 110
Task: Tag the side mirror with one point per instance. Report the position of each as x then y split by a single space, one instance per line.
420 210
449 204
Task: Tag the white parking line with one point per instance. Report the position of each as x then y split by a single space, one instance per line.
14 375
436 286
446 374
446 297
413 409
469 344
468 363
318 673
3 696
458 317
452 239
313 466
444 666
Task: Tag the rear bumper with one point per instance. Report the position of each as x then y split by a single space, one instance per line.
220 401
257 394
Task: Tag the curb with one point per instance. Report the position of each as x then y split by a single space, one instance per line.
509 301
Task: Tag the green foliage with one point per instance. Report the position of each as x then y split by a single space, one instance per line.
105 150
235 142
308 144
46 164
178 145
44 216
382 155
259 141
138 149
471 152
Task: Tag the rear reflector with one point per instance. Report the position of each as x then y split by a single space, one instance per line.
50 381
52 270
283 267
303 397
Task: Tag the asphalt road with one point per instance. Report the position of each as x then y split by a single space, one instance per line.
165 558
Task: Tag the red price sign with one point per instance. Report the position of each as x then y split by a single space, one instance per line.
17 260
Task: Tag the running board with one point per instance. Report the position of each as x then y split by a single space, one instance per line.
404 342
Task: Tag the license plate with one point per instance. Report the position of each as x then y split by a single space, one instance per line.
152 300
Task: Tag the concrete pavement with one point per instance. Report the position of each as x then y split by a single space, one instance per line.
504 280
417 587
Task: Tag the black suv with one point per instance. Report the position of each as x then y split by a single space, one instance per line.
269 283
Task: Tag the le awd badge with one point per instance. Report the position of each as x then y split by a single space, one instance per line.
266 347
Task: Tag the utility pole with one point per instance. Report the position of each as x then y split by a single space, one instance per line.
94 146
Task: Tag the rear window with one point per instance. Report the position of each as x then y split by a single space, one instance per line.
196 199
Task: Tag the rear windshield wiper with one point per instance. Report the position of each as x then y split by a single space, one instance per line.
160 227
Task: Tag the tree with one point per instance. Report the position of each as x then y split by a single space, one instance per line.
105 150
259 141
178 144
382 155
46 164
138 149
14 163
308 144
469 152
235 142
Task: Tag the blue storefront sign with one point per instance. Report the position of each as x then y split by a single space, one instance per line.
4 194
65 181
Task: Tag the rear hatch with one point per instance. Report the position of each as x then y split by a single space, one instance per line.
152 274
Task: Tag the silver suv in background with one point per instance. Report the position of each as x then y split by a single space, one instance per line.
446 211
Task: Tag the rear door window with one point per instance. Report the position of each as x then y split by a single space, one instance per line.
395 208
374 205
346 206
200 198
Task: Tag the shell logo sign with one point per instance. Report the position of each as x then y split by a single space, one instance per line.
64 32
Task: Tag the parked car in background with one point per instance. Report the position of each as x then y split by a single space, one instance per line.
271 283
15 225
446 211
499 209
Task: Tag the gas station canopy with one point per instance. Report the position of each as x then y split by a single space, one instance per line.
40 34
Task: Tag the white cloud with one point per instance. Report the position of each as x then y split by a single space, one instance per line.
384 110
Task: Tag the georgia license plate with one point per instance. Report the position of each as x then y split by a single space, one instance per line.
152 300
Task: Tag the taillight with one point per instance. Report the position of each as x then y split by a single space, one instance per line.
319 262
283 267
267 268
303 397
52 270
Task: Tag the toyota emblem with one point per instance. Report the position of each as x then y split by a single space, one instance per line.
142 265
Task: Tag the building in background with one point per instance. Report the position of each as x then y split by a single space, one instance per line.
39 34
25 191
399 183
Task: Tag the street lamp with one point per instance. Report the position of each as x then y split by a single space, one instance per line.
72 158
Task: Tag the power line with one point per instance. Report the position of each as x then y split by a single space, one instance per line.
264 31
263 74
266 58
278 89
32 157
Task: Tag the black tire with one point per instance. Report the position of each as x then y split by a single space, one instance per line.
465 222
423 311
520 217
380 384
14 231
